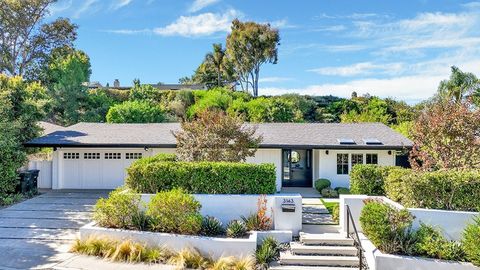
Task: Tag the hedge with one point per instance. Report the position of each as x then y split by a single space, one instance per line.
151 176
448 190
369 179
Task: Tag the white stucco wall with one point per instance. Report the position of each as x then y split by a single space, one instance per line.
270 156
328 164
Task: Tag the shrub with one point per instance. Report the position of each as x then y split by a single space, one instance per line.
394 183
342 190
430 242
175 212
329 193
135 112
368 179
150 176
322 183
267 252
471 242
388 228
236 229
336 213
119 210
259 221
449 190
189 259
211 226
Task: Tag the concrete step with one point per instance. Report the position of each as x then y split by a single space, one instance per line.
326 239
314 209
299 249
297 267
317 219
286 258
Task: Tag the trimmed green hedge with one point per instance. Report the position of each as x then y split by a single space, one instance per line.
369 179
152 175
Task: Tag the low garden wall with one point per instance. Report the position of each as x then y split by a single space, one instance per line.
452 223
227 207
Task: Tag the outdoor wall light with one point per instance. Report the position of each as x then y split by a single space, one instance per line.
54 149
145 148
326 152
389 152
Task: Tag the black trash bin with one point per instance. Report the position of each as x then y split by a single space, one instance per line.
28 181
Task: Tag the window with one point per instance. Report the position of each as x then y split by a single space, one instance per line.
133 155
372 159
113 155
71 155
342 163
357 159
91 155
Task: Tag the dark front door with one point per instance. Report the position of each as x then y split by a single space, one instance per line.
297 168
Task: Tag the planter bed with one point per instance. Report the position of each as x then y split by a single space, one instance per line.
214 247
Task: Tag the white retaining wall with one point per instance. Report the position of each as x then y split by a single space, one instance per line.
452 223
45 175
227 207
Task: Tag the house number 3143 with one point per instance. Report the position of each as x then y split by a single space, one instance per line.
285 200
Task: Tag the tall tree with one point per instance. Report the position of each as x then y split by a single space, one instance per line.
216 136
461 85
67 73
216 58
249 46
26 42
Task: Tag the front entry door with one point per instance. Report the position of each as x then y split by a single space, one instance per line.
297 168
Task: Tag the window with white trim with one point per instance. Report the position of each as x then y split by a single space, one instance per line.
342 163
371 159
357 159
113 155
71 155
133 155
91 155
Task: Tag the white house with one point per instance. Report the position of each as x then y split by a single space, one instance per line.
95 155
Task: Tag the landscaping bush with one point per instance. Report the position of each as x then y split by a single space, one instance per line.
322 183
236 229
336 213
267 252
211 226
259 221
342 190
449 190
329 193
430 242
119 210
471 242
394 182
151 176
368 179
388 228
174 211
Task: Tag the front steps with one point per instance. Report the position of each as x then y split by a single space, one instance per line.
326 251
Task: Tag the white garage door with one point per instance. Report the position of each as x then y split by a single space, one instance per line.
95 169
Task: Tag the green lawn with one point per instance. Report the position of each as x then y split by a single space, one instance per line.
330 206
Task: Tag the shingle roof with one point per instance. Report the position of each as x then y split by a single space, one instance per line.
275 135
48 127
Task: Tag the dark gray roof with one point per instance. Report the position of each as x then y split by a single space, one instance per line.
275 135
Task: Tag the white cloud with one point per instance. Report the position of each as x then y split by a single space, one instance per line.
199 25
59 7
120 3
85 7
362 68
274 79
331 28
129 31
198 5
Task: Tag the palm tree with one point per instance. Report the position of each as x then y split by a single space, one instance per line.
459 86
217 58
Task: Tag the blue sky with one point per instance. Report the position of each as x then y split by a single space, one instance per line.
385 48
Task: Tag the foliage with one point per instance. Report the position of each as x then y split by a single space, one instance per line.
368 179
26 41
236 229
174 211
459 87
342 190
322 183
394 182
471 241
430 242
135 112
227 263
189 259
145 93
215 136
211 226
67 71
259 221
333 209
448 190
404 128
263 109
329 193
119 210
219 99
374 110
96 105
249 46
267 252
446 136
388 228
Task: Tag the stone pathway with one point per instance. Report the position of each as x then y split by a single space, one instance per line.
315 213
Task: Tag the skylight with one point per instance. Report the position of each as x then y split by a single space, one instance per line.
346 141
372 141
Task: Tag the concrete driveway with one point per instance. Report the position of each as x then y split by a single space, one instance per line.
38 233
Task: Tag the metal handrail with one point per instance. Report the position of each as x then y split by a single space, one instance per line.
356 240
